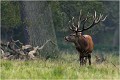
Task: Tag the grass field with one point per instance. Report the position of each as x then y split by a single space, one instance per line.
65 67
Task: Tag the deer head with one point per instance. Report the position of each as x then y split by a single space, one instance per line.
81 22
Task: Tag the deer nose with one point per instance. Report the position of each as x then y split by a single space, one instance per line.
66 38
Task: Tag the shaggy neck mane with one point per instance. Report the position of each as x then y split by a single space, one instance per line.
81 43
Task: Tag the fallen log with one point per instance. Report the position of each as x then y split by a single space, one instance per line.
24 52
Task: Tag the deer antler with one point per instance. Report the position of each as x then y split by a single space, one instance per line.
79 20
96 20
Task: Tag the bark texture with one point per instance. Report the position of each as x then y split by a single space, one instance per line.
39 23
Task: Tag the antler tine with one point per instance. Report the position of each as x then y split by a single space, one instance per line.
100 18
69 25
94 16
87 14
104 18
71 29
72 26
79 19
72 18
84 21
73 22
96 20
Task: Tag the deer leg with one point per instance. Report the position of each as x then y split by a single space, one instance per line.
85 60
81 58
89 58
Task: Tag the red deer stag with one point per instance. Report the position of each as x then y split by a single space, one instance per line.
84 43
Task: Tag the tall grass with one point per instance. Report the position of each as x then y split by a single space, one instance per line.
65 67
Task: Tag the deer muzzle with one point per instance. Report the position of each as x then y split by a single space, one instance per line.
66 38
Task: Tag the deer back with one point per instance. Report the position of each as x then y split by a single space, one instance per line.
89 42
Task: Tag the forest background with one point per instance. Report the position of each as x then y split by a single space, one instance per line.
31 22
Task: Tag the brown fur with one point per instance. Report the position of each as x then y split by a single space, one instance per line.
84 45
89 41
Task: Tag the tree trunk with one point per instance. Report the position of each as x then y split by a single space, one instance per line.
38 17
24 26
116 38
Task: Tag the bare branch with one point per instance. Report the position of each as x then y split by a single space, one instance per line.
44 44
53 43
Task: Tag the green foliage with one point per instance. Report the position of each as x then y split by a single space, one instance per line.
107 48
112 9
10 14
66 67
63 11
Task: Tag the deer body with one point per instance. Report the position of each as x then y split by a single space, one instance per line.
89 41
83 43
85 49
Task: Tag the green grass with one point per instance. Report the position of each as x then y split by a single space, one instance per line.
65 67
